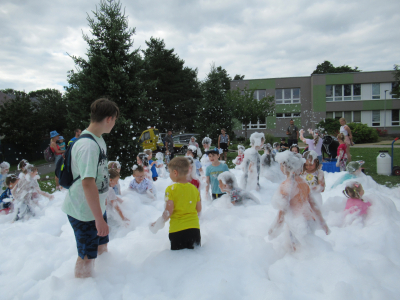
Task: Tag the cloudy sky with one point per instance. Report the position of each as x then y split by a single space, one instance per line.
257 38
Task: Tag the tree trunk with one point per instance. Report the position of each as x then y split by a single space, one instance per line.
245 132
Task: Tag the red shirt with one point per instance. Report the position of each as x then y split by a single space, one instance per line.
196 183
341 147
58 148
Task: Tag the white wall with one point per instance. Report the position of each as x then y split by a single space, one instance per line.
366 117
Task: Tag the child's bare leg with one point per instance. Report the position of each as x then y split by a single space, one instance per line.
101 249
84 267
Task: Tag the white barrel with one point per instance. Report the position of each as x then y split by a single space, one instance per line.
384 163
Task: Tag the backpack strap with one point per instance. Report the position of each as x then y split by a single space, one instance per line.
89 136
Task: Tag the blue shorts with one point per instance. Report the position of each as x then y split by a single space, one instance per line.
87 240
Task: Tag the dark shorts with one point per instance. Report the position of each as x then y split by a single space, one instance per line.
171 155
87 240
216 196
292 142
185 239
224 146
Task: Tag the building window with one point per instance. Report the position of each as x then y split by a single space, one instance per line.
287 96
259 94
343 92
395 117
288 115
350 116
394 86
254 125
376 91
376 118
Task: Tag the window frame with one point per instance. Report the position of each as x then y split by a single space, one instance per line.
343 113
372 119
292 115
290 100
335 97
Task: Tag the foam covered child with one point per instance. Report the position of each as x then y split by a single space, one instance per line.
141 184
114 212
152 164
239 159
313 175
298 214
353 171
355 203
4 169
192 151
228 184
6 197
205 161
269 167
252 163
275 148
115 165
162 172
27 193
192 176
142 160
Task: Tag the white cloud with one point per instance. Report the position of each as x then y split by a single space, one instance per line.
259 39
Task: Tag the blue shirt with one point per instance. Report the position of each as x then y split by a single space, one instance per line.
6 194
213 173
153 169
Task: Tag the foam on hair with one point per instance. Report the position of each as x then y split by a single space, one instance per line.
257 138
228 178
293 162
206 141
4 165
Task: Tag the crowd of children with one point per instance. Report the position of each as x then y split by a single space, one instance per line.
298 199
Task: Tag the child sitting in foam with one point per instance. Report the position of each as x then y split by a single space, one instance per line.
4 169
239 159
192 174
355 204
275 148
27 193
353 171
269 167
252 163
112 200
115 165
297 210
6 197
205 161
313 175
162 172
142 160
141 183
228 184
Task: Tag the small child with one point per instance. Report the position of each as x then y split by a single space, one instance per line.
353 171
115 165
252 163
341 153
313 175
4 169
294 148
275 148
192 175
239 159
296 208
354 191
183 206
143 161
194 143
21 166
112 199
61 143
228 184
212 173
26 193
283 145
5 206
162 172
205 162
192 151
152 164
141 183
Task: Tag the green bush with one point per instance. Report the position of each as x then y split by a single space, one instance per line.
269 138
240 138
331 126
362 133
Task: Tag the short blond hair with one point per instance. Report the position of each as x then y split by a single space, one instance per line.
179 164
343 119
148 151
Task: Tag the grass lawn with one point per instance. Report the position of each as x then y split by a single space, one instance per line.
35 163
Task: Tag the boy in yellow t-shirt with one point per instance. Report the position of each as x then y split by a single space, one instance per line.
183 206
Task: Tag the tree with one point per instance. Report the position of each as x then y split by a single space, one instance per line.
238 77
214 112
396 86
246 108
172 87
111 69
20 124
327 67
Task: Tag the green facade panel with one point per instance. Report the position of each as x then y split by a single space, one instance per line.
377 104
262 84
271 122
319 102
282 108
339 79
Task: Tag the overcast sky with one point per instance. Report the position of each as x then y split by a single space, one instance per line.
258 39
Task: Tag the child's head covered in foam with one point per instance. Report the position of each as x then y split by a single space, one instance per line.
291 163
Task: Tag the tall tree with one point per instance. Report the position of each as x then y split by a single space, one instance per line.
173 87
238 77
214 112
396 86
246 108
111 69
20 124
327 67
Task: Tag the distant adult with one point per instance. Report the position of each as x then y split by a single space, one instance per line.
293 133
169 145
54 136
77 135
313 144
348 137
223 143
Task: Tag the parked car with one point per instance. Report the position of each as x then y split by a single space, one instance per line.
181 142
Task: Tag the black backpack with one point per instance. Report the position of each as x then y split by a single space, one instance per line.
64 165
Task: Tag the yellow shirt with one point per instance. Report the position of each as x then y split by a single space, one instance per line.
185 197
